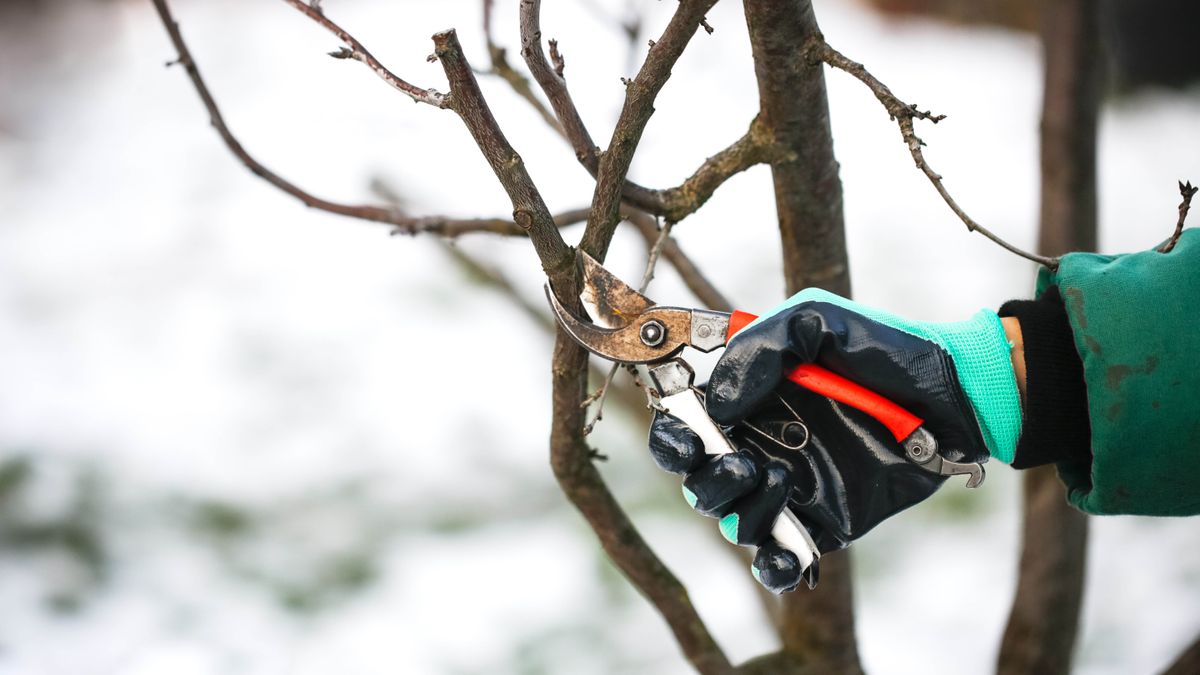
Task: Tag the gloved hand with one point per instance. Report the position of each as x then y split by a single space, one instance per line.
838 469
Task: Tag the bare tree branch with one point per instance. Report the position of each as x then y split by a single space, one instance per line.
904 114
504 70
1187 192
550 79
570 457
674 204
444 226
571 460
753 148
640 93
477 270
529 209
355 51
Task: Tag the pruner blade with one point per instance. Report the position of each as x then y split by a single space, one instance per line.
649 337
611 302
652 335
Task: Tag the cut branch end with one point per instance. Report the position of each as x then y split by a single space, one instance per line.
1187 192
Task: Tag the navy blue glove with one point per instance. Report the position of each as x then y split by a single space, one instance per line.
840 471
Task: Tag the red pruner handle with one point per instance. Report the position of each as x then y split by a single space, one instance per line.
831 385
899 421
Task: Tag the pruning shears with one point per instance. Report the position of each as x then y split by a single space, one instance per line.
627 327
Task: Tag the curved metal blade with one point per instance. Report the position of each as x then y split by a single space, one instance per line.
611 302
625 344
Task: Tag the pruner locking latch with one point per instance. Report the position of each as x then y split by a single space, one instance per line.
921 449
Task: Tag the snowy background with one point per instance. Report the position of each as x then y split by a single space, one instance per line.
240 436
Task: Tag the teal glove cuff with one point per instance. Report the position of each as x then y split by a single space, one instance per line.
980 351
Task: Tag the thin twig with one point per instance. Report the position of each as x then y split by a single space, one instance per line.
652 395
655 252
1187 191
640 94
493 278
598 397
503 69
439 225
753 148
550 79
904 114
602 393
355 51
674 204
691 274
451 228
454 227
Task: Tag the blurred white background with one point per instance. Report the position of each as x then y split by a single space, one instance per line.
240 436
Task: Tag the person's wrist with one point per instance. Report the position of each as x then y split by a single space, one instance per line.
1016 343
1054 394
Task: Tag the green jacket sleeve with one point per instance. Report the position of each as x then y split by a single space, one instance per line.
1135 321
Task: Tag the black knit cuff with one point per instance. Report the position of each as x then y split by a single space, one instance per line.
1056 426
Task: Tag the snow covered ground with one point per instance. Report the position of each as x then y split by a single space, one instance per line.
271 440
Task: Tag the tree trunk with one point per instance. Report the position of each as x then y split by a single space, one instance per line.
818 626
795 109
1044 620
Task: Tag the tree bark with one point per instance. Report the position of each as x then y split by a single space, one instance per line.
795 110
1044 620
818 626
576 473
1073 62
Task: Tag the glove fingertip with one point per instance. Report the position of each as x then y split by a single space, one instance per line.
674 446
689 496
729 527
777 568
